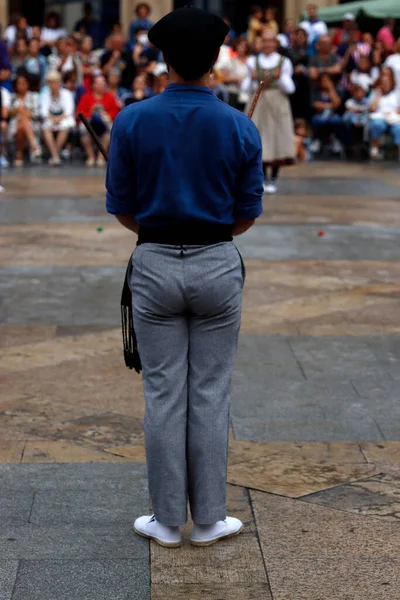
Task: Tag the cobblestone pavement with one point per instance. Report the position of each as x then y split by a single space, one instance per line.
314 468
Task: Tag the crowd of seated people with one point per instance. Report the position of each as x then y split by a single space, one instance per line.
49 75
337 78
346 85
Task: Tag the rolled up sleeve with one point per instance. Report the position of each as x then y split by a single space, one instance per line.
120 178
285 81
249 186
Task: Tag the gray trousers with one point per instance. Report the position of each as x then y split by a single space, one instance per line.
186 310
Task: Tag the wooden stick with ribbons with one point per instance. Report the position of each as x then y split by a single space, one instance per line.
255 99
131 352
93 135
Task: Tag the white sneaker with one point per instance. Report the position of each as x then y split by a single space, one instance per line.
337 146
374 153
55 162
35 155
315 146
4 162
148 527
205 535
269 187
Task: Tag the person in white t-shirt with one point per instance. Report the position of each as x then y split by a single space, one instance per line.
235 73
365 74
285 38
384 109
393 61
53 30
62 58
313 26
20 26
5 107
226 53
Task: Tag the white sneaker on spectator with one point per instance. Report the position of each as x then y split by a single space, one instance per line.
205 535
90 162
315 146
374 153
4 162
35 154
101 161
270 187
336 146
148 527
55 162
65 154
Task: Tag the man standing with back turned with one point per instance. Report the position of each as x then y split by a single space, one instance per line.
185 174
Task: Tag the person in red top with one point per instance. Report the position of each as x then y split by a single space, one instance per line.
385 34
101 108
342 35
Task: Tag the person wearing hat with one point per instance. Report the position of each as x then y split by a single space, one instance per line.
351 50
185 173
342 34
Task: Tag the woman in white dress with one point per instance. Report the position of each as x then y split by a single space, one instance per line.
272 116
57 111
24 125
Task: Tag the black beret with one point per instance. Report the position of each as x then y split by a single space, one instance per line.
188 28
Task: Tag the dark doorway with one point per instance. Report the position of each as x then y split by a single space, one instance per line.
237 11
34 11
242 12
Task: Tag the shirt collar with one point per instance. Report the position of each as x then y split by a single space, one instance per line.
184 87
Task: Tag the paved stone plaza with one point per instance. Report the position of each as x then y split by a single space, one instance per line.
314 469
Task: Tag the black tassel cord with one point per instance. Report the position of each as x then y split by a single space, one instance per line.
131 353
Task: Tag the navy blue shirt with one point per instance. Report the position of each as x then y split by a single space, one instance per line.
184 155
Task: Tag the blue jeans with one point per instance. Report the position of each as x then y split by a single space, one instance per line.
323 125
378 127
99 126
356 119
